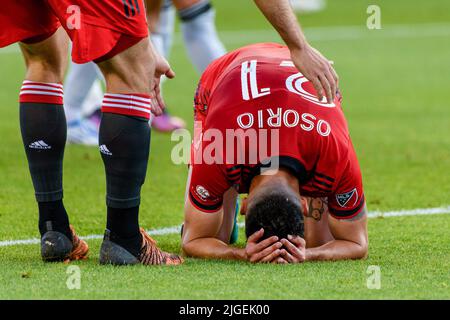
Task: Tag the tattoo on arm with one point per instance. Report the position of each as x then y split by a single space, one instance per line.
317 206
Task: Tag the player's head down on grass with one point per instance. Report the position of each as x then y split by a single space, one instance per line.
312 158
275 206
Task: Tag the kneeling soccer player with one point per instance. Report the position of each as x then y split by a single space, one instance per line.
260 130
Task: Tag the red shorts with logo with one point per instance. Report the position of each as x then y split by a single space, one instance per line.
96 28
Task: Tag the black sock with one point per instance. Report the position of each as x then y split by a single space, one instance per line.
44 131
125 146
43 127
124 227
55 212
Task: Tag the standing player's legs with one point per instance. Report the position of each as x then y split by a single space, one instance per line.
43 127
124 141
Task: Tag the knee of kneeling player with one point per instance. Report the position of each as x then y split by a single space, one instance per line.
187 247
363 250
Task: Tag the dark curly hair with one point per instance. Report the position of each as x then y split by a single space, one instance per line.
277 210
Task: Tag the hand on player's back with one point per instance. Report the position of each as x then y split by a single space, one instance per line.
266 250
317 69
162 68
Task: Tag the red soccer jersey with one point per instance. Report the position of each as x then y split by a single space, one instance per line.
255 98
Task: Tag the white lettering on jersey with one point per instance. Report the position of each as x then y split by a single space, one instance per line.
286 119
295 85
249 119
274 119
308 119
289 118
320 128
248 79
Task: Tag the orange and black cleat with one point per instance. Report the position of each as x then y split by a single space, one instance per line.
56 246
112 253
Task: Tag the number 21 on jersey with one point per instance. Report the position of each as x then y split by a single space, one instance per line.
294 84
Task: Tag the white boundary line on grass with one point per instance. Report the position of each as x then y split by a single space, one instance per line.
328 33
339 33
176 229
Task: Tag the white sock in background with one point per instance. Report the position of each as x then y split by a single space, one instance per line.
78 85
200 35
162 38
94 99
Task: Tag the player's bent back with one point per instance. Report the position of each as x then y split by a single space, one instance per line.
260 130
258 88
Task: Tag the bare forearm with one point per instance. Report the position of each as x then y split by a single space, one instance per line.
212 248
279 13
337 250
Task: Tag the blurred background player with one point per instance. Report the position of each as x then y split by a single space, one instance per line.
202 43
199 37
198 29
82 103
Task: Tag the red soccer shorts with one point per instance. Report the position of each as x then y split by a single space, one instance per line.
98 29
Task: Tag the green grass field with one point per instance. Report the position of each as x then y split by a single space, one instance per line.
395 83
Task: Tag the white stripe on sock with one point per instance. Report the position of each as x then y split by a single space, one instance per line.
127 96
43 83
121 101
120 106
40 92
29 86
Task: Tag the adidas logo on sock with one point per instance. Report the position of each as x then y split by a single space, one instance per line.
39 145
104 150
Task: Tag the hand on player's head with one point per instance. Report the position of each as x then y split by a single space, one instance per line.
294 249
262 250
274 250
